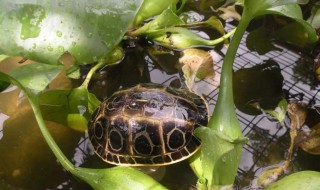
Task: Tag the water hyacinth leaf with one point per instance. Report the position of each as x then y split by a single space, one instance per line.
299 33
120 177
166 19
314 18
54 105
289 8
218 150
280 111
72 108
180 38
35 76
258 88
44 30
150 8
259 41
306 180
77 122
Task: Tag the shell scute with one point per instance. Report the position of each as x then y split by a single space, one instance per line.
149 124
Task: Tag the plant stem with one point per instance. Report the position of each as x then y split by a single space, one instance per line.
100 64
222 38
49 139
224 119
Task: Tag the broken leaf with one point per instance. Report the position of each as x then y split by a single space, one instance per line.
196 65
311 144
280 111
229 12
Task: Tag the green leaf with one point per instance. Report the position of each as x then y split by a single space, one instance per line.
179 38
259 41
150 8
44 30
72 108
299 33
314 18
125 178
280 111
220 156
3 57
166 19
35 76
287 8
306 180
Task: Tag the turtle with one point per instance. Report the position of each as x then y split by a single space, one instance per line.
147 124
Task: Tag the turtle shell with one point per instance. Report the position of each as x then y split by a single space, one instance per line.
149 124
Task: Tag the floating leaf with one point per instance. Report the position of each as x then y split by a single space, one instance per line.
306 180
258 87
280 111
298 33
259 41
44 30
36 76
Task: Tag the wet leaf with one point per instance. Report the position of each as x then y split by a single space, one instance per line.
311 140
35 76
72 108
280 111
259 41
44 30
217 153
